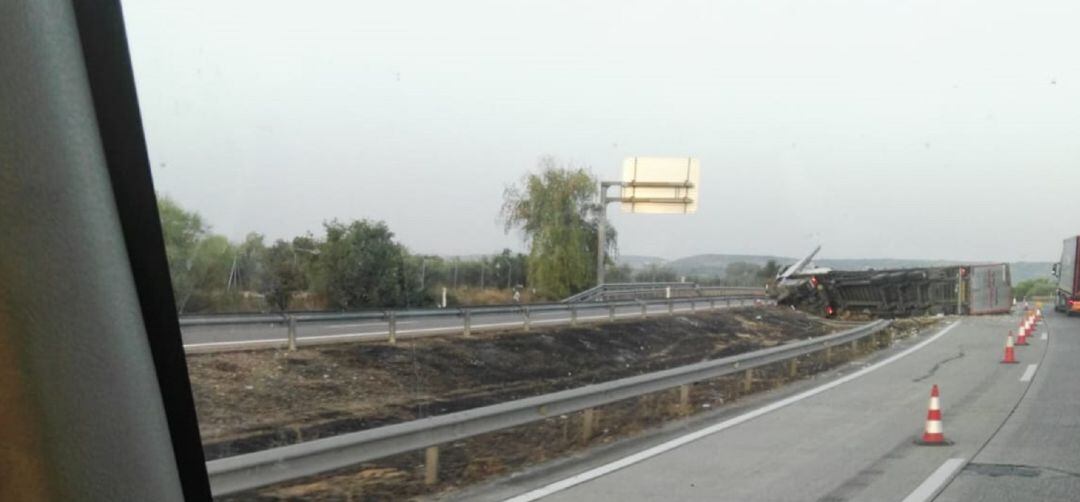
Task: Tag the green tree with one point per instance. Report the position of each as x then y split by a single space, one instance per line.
769 271
1040 286
360 265
655 273
619 273
183 231
249 266
200 263
556 211
284 275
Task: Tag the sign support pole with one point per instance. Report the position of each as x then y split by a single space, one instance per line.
601 230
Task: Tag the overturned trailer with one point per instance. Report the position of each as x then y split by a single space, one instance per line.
958 289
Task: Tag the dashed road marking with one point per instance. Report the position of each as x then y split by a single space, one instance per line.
1029 373
933 484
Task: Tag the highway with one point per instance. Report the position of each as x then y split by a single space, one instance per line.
214 337
849 434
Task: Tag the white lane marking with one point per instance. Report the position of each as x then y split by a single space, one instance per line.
360 325
1043 337
1028 373
933 484
727 424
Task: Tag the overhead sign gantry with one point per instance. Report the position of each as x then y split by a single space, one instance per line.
655 185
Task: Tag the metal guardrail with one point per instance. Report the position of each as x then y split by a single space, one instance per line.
676 293
391 317
252 470
641 290
597 292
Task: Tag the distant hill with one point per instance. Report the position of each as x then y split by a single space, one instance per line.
1024 270
713 265
638 261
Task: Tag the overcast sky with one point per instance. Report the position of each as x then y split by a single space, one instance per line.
899 129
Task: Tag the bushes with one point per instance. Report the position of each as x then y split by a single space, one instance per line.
1041 286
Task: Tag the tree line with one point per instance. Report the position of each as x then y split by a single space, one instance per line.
737 274
353 265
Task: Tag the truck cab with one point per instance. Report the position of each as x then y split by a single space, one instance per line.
1067 273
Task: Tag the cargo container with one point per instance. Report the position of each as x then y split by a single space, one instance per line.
1068 277
960 289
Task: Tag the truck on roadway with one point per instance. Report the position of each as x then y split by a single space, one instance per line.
970 289
1068 277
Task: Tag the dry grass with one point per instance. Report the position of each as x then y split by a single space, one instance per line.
490 296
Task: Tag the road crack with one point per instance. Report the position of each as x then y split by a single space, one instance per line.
938 365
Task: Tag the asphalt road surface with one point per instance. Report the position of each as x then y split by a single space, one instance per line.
208 338
849 434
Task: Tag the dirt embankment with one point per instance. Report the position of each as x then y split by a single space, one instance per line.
249 401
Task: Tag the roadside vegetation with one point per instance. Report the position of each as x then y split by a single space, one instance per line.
1040 287
353 265
359 264
737 274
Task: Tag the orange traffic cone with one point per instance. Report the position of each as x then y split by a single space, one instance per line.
1022 339
934 433
1010 357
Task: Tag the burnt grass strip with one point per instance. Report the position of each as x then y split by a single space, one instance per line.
300 396
250 401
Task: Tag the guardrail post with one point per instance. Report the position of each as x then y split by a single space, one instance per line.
748 380
793 367
392 326
467 323
292 333
573 315
855 345
712 304
528 318
727 301
587 424
828 355
670 307
693 306
611 313
644 311
684 398
431 465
